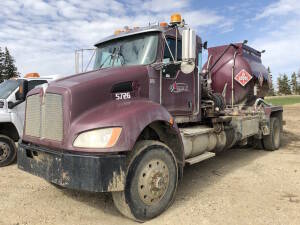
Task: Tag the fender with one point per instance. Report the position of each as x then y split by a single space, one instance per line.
132 115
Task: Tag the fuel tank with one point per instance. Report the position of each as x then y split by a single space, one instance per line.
250 77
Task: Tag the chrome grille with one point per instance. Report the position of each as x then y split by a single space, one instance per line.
47 121
52 117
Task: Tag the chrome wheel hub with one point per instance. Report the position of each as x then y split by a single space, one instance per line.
153 182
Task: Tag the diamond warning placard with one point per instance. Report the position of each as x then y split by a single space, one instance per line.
243 77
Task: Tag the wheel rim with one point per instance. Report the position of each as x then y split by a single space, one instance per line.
276 134
4 151
153 182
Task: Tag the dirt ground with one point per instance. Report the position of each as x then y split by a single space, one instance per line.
240 186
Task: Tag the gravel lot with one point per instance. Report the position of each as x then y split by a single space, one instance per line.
240 186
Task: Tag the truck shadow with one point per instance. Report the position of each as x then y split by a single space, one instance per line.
100 201
196 178
200 176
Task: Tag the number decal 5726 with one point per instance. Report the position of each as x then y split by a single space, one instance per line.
123 96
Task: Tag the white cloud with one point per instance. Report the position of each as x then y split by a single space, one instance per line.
280 8
166 5
42 35
281 39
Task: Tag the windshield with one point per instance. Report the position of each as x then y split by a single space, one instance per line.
7 87
133 50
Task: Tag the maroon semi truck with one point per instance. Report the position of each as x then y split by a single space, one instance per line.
147 110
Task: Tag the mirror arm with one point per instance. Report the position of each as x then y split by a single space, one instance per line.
176 53
14 104
168 46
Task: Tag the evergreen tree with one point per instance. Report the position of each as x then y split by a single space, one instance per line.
298 78
279 84
286 87
294 83
1 65
9 70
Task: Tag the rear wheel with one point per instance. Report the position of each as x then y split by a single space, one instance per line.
151 182
272 141
8 151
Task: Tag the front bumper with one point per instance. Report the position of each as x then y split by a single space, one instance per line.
93 173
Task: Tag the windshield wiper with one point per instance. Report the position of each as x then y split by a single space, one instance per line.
111 56
118 54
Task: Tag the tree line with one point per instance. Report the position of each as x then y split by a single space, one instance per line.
7 65
286 84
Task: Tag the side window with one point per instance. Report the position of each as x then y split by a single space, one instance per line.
33 83
172 44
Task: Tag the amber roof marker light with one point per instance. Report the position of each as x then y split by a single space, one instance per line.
117 32
163 24
32 75
176 18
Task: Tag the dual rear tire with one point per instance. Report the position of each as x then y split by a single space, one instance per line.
272 141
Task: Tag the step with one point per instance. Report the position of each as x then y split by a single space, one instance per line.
199 158
196 130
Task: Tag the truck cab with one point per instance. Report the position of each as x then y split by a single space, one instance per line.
146 110
12 112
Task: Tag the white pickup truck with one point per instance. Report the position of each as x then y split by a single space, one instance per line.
12 111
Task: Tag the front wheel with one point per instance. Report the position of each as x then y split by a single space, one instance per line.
8 151
151 182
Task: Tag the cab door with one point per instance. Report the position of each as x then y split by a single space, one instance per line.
177 88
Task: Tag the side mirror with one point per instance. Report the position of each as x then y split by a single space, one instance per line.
10 105
188 51
23 90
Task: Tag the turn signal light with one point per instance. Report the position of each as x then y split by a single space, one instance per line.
175 18
114 137
32 75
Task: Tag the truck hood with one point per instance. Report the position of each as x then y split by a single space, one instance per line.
88 90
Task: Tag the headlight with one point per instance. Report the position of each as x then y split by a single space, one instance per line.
101 138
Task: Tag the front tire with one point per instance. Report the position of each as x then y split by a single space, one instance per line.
8 151
151 182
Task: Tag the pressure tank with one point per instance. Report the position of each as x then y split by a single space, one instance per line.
242 64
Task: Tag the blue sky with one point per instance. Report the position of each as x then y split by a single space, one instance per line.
42 35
